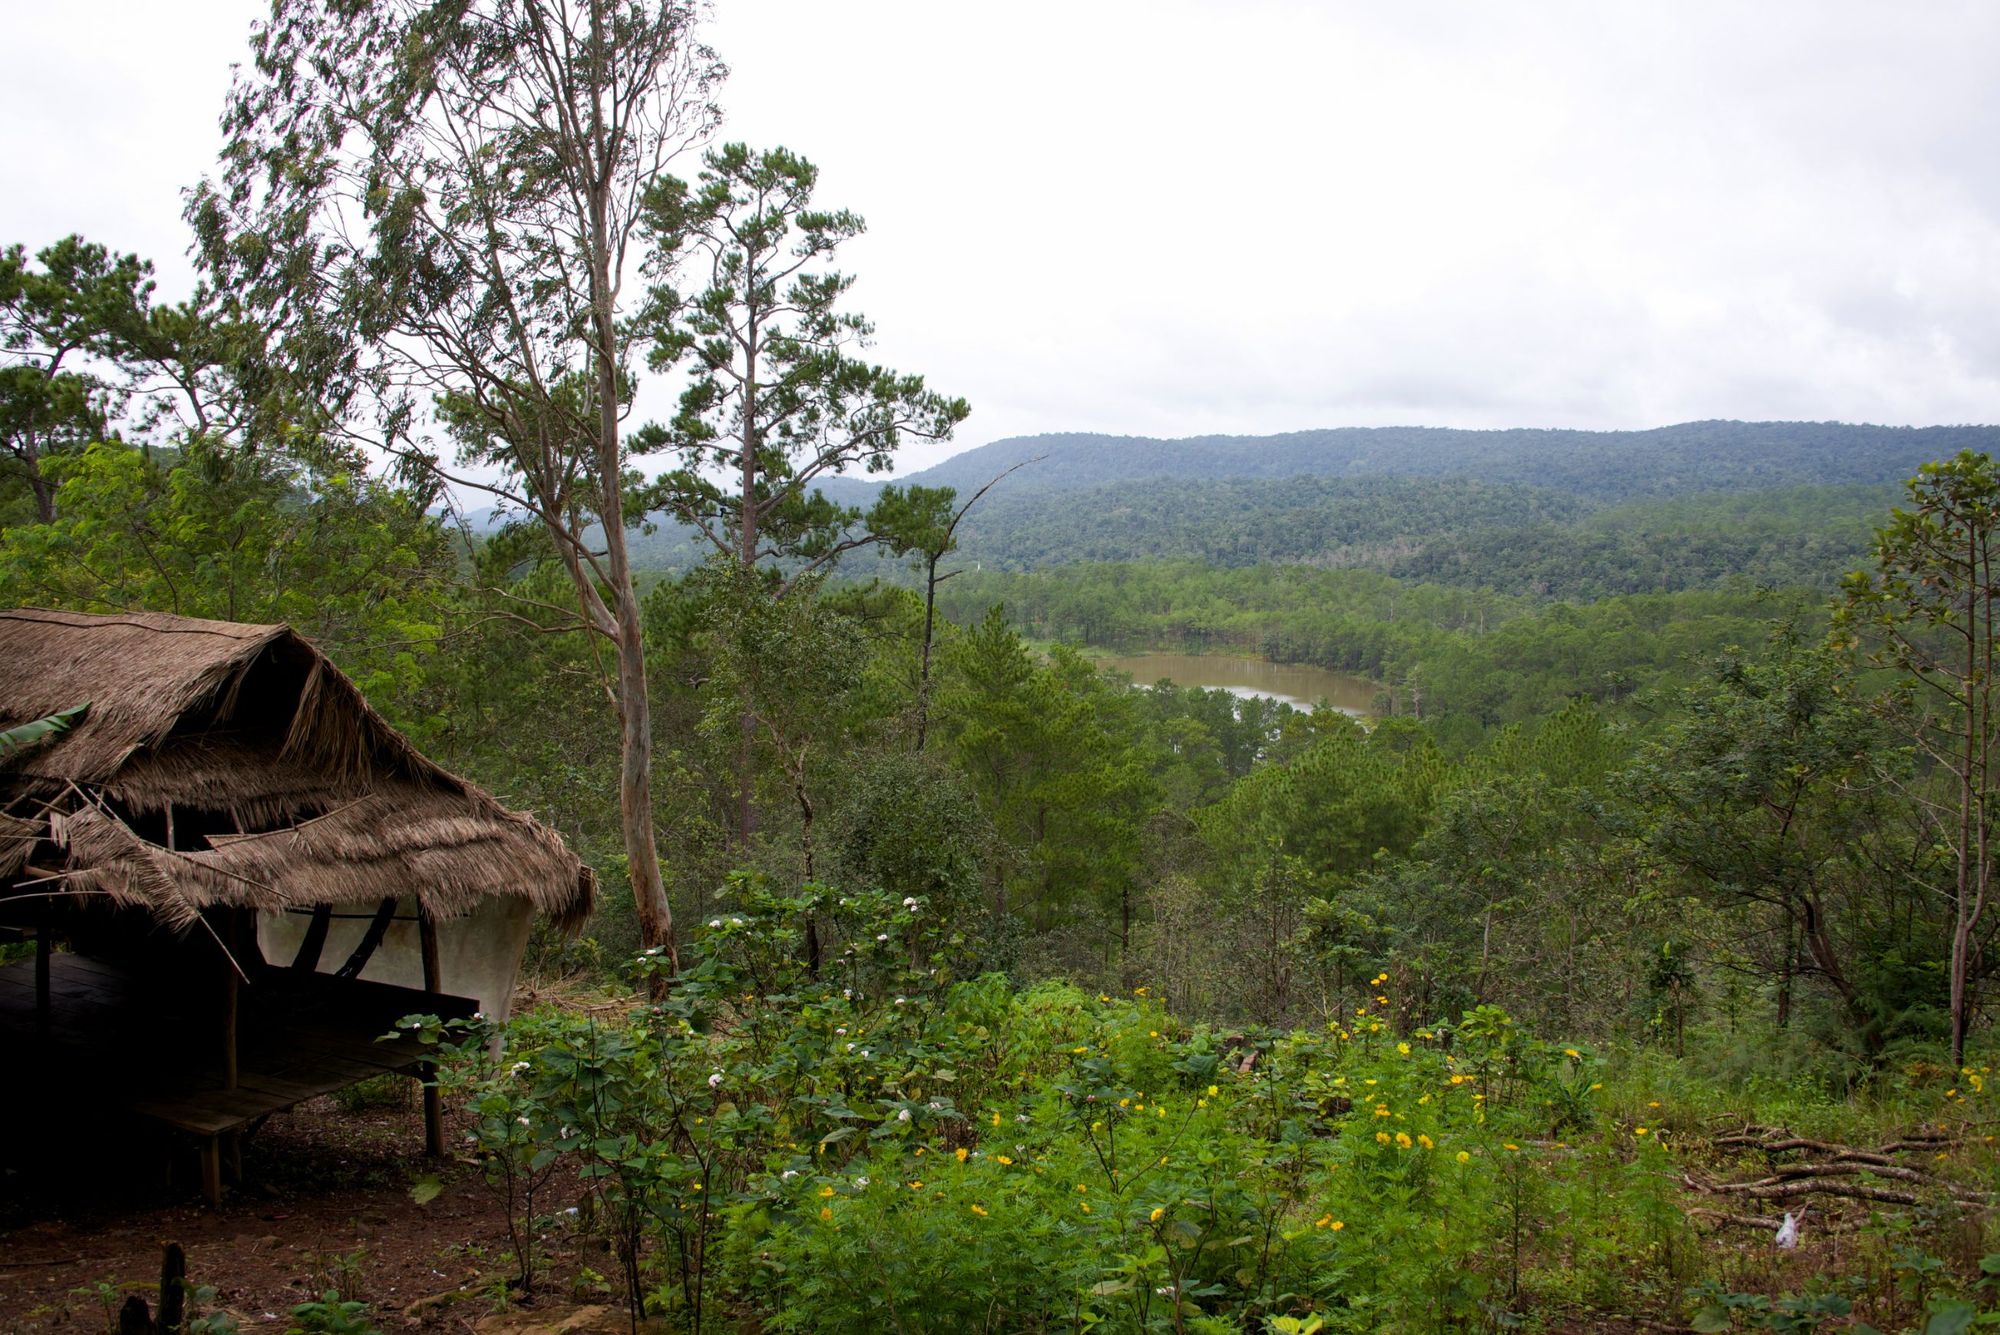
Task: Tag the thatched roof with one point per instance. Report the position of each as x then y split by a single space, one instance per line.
308 795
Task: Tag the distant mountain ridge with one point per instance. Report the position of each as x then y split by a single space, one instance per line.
1601 465
1555 513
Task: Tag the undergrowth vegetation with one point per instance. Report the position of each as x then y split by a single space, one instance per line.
893 1145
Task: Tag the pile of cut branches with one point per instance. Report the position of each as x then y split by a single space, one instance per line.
1801 1171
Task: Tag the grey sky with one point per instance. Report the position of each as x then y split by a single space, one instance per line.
1180 216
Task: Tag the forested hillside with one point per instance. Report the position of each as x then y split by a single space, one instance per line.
1603 465
1567 515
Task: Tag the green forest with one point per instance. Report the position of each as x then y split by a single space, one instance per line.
1628 968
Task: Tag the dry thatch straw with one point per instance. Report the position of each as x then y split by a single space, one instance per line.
289 789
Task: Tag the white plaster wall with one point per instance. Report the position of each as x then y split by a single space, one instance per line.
479 954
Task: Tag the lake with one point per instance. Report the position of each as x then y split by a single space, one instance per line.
1296 684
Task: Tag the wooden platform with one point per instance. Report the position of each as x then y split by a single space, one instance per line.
116 1042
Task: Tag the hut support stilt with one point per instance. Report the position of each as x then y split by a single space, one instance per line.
433 1102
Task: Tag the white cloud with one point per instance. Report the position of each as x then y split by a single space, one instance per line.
1180 217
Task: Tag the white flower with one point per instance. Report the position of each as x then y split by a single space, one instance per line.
860 1182
1020 1117
848 994
881 936
850 1047
517 1068
715 1080
902 1001
913 908
715 922
903 1116
909 901
935 1106
736 922
788 1174
843 1030
864 1052
522 1120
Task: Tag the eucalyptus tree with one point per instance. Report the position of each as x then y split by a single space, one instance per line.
435 205
776 401
1928 612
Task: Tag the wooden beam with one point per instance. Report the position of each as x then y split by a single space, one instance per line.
229 1003
385 913
44 918
427 939
315 939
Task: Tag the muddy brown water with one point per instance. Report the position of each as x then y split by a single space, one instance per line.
1296 684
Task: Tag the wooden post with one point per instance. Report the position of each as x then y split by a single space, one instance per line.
229 1001
44 920
211 1171
433 1103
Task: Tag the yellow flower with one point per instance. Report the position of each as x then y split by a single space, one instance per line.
1213 1090
1594 1088
1638 1130
1381 1137
1138 991
826 1212
1003 1161
1086 1207
826 1191
916 1186
1079 1051
1381 1001
1336 1226
979 1210
1572 1052
960 1153
1081 1189
1152 1033
1463 1157
1426 1142
1510 1145
1124 1103
1381 1110
1402 1140
1323 1221
1458 1079
1158 1210
996 1119
1403 1048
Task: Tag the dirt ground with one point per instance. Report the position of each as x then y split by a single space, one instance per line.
325 1204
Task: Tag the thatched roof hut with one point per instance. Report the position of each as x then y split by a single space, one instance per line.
227 764
253 875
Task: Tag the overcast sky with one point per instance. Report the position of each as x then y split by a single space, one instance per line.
1188 216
